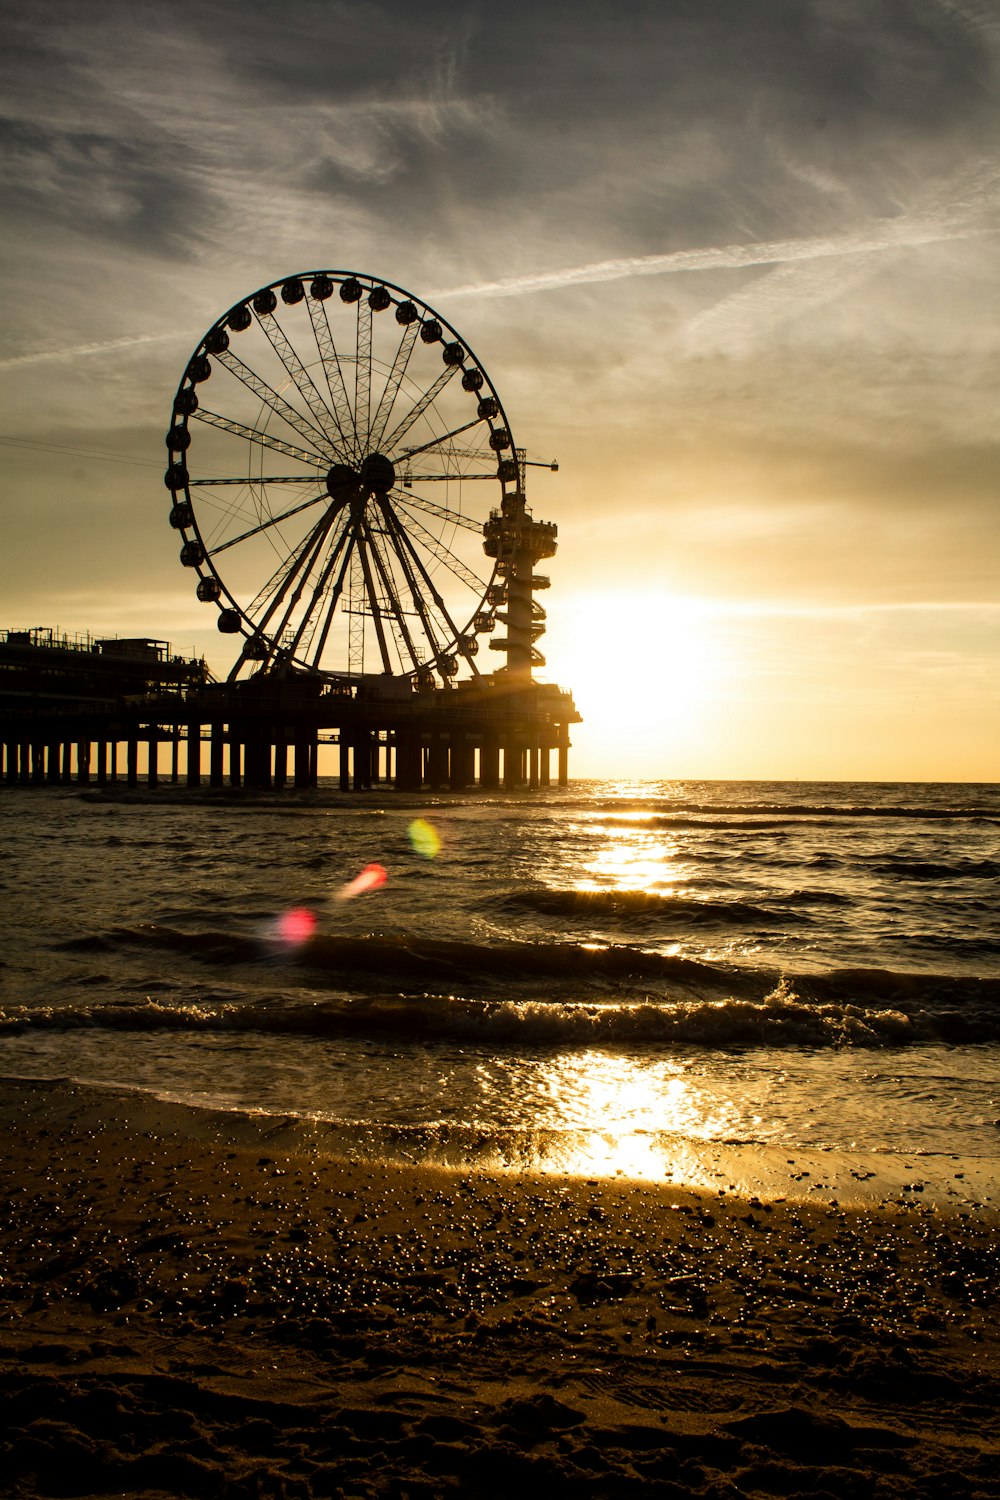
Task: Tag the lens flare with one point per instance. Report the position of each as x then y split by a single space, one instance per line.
295 926
424 838
371 877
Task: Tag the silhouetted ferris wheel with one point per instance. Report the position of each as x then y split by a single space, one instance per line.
335 452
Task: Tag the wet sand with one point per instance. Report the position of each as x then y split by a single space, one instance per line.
194 1305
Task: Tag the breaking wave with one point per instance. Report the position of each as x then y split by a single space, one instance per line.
847 1008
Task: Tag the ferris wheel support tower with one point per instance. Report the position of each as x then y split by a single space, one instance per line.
518 543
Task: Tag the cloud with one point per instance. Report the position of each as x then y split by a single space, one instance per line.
979 17
808 405
965 208
863 246
108 346
972 213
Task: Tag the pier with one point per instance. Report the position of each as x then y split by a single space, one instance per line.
99 711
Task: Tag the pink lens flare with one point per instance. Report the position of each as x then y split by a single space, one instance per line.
371 877
295 926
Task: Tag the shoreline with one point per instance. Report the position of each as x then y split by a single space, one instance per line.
963 1185
194 1306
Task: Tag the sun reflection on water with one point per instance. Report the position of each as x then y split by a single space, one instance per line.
612 1115
633 860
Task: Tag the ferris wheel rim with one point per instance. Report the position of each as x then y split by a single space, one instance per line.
352 460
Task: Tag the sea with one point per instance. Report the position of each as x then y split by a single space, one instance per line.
613 978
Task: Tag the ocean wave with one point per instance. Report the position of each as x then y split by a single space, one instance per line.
959 869
977 948
647 814
848 1008
642 810
702 819
417 963
807 897
407 956
644 905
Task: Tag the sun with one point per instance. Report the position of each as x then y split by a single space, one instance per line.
646 669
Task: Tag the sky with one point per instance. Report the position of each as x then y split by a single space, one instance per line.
734 264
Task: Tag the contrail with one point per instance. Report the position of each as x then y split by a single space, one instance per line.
77 349
892 236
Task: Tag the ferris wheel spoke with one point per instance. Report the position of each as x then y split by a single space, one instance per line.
408 502
301 378
445 555
307 624
450 457
374 602
397 541
429 396
243 510
271 398
363 374
454 478
459 570
393 382
334 376
307 561
445 437
391 593
266 525
429 583
222 513
344 548
384 552
287 571
257 479
264 592
263 439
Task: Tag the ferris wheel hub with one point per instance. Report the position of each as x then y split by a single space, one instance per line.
378 474
343 483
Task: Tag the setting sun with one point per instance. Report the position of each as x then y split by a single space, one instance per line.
647 669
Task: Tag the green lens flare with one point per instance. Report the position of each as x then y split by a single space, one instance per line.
424 838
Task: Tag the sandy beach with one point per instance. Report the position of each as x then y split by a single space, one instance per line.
188 1308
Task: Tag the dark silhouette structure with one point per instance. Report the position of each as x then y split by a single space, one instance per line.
347 494
105 711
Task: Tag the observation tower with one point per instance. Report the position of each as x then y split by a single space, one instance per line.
519 543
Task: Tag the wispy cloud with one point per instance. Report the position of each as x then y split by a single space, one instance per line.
109 346
959 210
979 16
736 322
888 234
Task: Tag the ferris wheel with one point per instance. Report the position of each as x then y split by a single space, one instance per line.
335 452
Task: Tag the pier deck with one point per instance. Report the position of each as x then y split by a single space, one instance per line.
87 710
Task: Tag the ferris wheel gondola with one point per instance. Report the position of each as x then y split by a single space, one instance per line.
335 452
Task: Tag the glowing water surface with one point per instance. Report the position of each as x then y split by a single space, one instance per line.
610 1111
112 906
